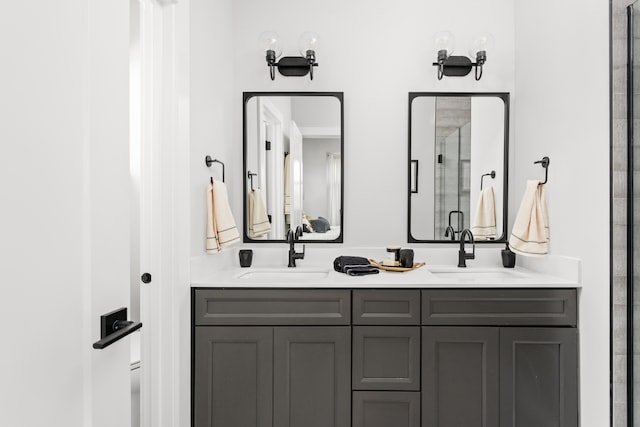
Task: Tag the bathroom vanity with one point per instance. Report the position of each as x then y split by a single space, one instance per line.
439 347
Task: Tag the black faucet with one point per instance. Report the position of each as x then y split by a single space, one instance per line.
450 232
462 255
291 238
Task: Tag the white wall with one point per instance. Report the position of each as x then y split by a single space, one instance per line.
211 105
563 112
487 152
376 61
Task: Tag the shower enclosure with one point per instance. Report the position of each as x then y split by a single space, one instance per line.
452 151
625 214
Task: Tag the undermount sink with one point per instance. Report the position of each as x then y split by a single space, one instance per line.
296 273
470 273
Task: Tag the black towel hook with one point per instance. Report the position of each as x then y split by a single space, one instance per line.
544 162
250 176
492 174
209 161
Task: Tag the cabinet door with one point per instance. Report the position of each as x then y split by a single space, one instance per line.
460 376
386 409
538 377
386 358
233 377
312 372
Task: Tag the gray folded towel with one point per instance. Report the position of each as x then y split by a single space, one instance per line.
354 266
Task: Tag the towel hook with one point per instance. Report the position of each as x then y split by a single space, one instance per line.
492 174
250 176
209 161
544 162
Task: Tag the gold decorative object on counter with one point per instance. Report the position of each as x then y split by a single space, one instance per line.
416 265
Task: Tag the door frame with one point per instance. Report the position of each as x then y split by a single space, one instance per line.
165 223
269 113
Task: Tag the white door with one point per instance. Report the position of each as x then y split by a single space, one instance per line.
65 211
65 214
106 196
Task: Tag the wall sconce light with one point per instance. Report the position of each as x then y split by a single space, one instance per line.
449 65
290 65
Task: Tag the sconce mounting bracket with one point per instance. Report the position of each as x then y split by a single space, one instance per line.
457 66
294 66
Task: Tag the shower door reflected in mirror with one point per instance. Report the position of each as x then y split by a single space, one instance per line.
460 141
293 161
452 191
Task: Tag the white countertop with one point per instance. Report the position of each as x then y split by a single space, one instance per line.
316 270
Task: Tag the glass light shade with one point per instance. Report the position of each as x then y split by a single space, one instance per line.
444 40
482 42
308 41
270 40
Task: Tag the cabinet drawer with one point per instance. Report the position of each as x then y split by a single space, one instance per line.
504 307
384 409
272 307
386 358
386 307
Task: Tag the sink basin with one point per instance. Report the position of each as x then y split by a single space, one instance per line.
280 274
473 274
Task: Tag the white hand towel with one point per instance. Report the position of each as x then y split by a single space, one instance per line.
484 222
227 232
530 234
213 246
258 220
221 227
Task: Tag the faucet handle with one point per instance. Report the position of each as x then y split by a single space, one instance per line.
301 254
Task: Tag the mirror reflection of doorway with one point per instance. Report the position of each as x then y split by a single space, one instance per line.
271 143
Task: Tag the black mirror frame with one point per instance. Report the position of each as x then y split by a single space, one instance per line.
504 96
246 96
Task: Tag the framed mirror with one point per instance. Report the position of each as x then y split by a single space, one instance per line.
458 166
293 146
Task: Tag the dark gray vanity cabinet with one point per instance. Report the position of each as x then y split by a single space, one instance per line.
385 358
507 358
260 369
